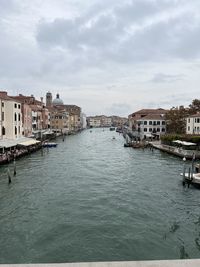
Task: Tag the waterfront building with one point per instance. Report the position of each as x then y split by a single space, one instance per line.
71 113
94 121
26 116
193 124
40 118
118 121
59 120
10 117
152 126
106 121
140 123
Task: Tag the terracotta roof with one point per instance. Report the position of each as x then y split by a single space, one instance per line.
197 115
150 111
153 117
4 96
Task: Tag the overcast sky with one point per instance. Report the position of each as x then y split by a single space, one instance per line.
107 56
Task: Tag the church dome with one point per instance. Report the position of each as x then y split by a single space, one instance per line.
57 100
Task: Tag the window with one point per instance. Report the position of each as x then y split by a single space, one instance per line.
3 130
2 116
15 116
198 120
19 117
158 129
19 106
188 128
158 122
150 129
145 122
145 129
15 130
163 122
163 130
15 105
2 104
188 120
19 129
150 122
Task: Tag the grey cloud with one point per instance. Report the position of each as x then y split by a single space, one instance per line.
119 108
105 38
166 78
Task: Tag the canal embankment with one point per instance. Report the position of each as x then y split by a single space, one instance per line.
176 151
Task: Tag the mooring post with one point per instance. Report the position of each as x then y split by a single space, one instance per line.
14 168
184 160
9 176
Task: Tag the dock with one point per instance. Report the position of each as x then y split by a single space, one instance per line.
176 151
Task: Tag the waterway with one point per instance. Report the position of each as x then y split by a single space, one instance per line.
91 199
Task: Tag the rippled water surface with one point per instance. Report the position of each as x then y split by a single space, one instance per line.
91 199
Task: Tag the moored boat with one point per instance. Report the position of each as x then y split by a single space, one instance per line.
47 144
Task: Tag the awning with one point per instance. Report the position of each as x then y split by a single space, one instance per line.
6 143
184 143
28 142
24 141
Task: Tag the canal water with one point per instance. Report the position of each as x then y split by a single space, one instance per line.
91 199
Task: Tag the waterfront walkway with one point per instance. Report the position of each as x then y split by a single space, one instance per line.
177 151
167 263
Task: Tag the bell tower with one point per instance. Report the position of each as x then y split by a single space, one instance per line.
48 99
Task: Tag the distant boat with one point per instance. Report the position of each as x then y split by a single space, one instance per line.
47 144
113 138
112 128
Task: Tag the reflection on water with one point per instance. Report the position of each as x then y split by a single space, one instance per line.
91 199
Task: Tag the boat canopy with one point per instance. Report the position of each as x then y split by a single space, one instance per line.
184 143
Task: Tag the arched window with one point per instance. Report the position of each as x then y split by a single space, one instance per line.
15 116
15 130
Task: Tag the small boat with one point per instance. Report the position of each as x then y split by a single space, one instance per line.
112 128
47 144
113 138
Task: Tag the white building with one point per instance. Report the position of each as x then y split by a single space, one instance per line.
94 122
10 117
106 121
152 125
193 124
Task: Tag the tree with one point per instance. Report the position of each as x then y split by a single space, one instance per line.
176 120
195 106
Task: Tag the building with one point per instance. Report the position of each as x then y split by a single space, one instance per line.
48 99
40 118
151 126
94 121
59 120
147 122
10 117
193 124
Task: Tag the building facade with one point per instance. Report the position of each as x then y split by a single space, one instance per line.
10 117
193 124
